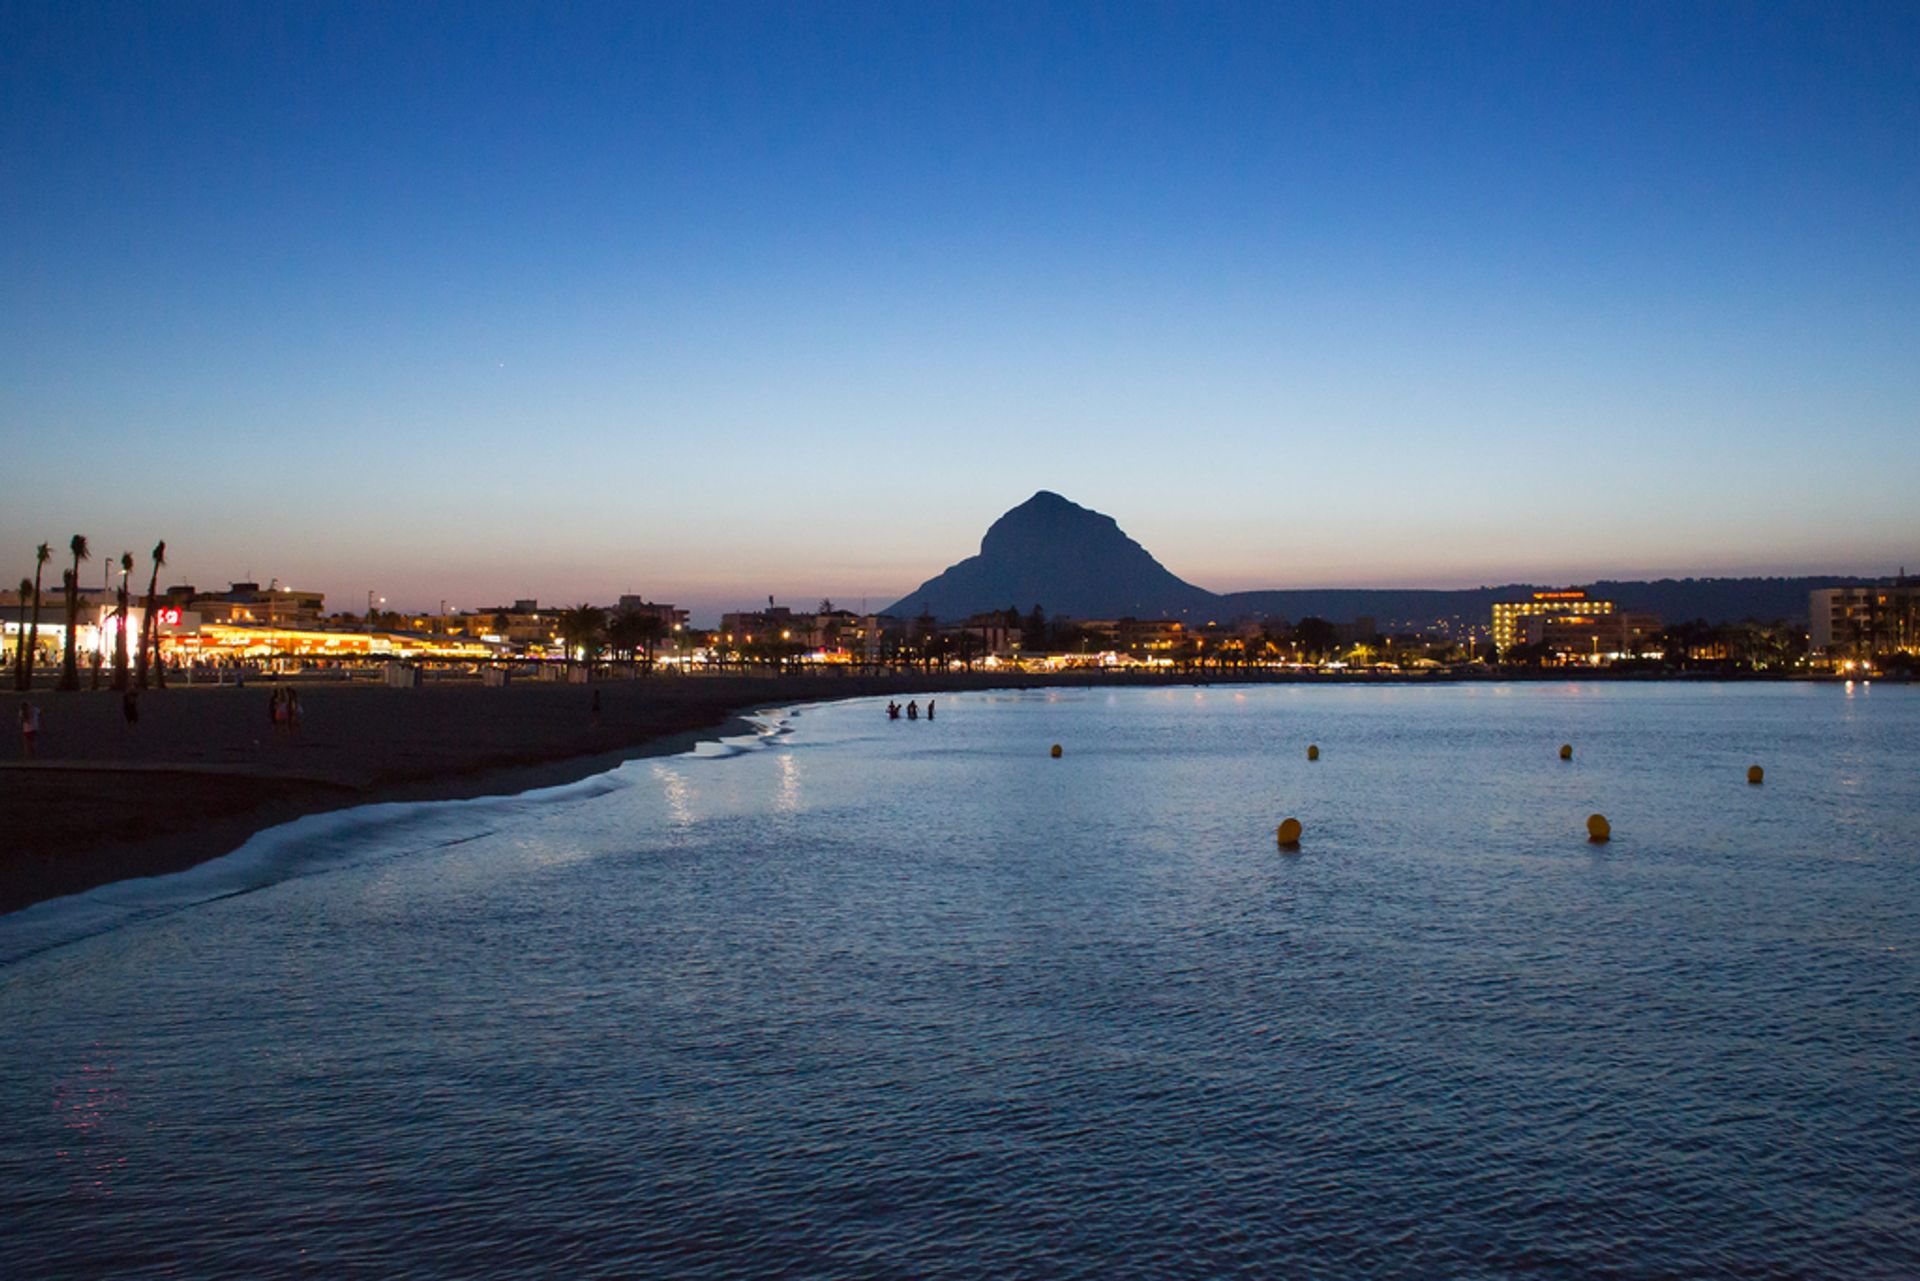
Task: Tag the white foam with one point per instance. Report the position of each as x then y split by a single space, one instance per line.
315 844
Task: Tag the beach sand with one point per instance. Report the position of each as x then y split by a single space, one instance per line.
205 767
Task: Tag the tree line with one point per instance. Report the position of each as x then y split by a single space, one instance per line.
146 667
624 635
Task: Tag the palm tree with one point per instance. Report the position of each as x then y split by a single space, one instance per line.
69 660
626 633
149 628
582 628
652 628
40 559
120 624
20 651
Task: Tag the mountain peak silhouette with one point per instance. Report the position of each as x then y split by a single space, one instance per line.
1068 559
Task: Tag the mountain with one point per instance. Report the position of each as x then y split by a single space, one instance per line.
1064 557
1075 562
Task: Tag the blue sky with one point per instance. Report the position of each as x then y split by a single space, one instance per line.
466 302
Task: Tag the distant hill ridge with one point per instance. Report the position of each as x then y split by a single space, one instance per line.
1074 561
1718 600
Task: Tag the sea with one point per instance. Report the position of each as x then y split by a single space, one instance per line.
857 997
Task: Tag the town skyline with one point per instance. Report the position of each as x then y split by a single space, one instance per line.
707 603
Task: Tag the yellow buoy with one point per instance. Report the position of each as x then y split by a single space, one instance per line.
1313 751
1599 831
1289 832
1755 774
1566 751
1056 751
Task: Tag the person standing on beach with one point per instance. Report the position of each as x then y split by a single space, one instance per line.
29 729
130 707
596 707
929 709
913 710
292 709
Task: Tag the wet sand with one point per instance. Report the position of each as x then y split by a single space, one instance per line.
205 767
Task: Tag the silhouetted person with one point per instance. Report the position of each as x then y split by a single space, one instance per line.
893 710
29 729
596 706
130 707
913 710
929 709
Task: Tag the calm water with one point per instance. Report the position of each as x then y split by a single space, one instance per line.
914 999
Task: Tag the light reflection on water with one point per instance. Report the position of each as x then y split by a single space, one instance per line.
86 1101
914 998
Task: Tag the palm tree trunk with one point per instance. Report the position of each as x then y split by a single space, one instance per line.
120 637
95 658
69 664
33 633
147 630
20 649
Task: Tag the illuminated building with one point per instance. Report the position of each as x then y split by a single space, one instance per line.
522 624
1141 636
243 603
671 616
836 635
1509 616
236 641
984 634
93 630
746 625
1865 622
1590 636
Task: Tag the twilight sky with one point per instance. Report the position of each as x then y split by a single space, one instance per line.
470 302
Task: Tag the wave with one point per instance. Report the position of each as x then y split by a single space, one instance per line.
317 844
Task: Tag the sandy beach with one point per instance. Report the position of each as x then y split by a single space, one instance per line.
205 767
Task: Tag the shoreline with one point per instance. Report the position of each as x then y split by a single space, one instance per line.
205 771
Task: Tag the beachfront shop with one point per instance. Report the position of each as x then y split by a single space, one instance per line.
185 638
95 632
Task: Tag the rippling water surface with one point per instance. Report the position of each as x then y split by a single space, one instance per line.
876 998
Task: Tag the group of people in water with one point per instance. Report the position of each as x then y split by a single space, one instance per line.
913 710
